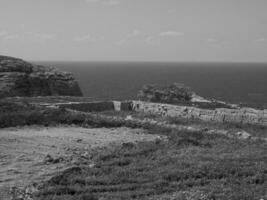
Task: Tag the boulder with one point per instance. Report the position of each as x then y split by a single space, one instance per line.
21 78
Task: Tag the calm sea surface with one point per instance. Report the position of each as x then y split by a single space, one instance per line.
234 83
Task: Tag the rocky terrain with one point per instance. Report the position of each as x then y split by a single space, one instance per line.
21 78
34 154
178 94
174 144
173 93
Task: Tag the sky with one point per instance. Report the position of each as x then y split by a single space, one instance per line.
134 30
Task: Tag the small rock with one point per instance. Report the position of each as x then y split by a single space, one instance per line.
58 160
205 129
48 159
91 165
67 149
74 161
173 126
129 117
20 197
85 155
158 140
30 190
189 128
88 147
79 140
127 145
243 135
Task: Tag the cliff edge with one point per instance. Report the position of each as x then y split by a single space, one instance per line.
21 78
178 94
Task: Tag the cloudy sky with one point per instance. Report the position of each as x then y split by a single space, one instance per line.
135 30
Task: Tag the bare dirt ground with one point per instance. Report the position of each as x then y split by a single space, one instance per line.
34 154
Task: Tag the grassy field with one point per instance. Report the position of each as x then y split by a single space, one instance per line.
254 130
187 166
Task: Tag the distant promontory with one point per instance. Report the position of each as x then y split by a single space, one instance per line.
21 78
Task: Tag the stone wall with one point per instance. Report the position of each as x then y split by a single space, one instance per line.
238 116
220 115
90 106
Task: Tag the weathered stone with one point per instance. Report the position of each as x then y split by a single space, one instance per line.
243 135
221 115
20 78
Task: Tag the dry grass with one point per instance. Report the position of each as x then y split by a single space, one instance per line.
189 165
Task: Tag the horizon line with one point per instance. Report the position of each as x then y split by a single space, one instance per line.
122 61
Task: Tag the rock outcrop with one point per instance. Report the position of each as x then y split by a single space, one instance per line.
21 78
178 94
174 93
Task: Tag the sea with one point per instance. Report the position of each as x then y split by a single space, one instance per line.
231 82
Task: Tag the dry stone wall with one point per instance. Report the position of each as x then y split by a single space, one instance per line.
239 116
220 115
90 106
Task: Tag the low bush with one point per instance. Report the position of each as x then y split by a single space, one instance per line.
19 114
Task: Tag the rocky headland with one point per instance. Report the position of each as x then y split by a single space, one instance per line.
21 78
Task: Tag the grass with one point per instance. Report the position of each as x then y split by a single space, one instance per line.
254 130
187 166
21 114
49 99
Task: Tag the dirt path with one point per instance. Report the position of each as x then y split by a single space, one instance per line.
33 154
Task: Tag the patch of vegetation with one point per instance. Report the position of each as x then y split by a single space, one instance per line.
49 99
21 114
205 105
187 166
254 130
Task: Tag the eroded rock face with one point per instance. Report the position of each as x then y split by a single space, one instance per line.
178 94
20 78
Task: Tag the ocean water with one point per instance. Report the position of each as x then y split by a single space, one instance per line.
231 82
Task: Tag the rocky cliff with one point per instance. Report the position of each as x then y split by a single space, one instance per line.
178 94
21 78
